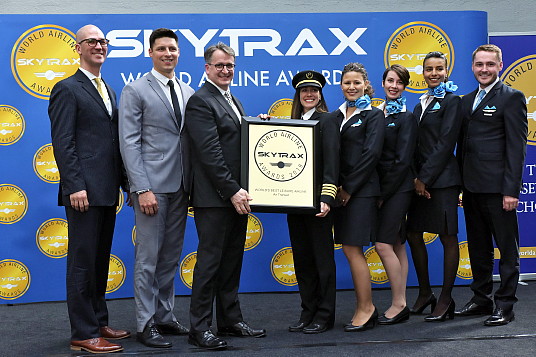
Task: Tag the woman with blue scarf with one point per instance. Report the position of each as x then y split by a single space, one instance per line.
434 208
396 185
361 142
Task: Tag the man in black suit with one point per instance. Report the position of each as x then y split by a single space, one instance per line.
491 153
221 206
83 116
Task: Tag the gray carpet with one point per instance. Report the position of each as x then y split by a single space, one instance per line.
42 329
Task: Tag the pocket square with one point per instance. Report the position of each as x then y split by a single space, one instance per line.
490 108
391 124
359 122
436 106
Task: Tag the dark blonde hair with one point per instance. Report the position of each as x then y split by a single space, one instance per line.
359 68
488 48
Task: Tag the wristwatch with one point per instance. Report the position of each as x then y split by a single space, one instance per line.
143 191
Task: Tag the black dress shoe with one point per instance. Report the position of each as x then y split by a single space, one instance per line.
298 326
400 317
241 329
500 317
473 309
449 312
432 301
366 326
150 337
206 340
172 328
316 328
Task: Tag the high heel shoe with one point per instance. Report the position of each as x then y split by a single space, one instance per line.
431 301
448 313
400 317
366 326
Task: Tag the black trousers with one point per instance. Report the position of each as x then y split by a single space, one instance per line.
88 259
314 263
222 235
486 220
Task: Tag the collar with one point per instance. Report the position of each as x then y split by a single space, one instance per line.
488 88
89 75
215 85
309 114
163 79
343 108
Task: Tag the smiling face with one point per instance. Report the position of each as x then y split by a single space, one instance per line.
165 55
393 86
353 85
486 67
224 77
435 71
309 98
91 58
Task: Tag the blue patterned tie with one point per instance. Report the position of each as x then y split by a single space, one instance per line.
479 98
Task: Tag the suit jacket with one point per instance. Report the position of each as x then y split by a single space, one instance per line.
396 161
435 163
361 148
493 140
329 157
214 132
153 146
85 141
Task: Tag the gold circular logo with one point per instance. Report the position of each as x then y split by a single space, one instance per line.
14 279
429 237
377 271
282 267
121 201
376 102
44 164
13 204
116 274
281 109
42 56
408 46
280 155
464 267
52 238
12 125
187 269
134 235
521 75
254 232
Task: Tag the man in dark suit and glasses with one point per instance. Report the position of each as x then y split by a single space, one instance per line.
83 116
491 152
221 206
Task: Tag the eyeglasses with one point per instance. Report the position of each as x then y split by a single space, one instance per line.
219 66
92 42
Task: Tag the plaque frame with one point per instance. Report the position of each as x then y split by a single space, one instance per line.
276 186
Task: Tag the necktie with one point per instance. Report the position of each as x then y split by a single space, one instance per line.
227 96
175 102
481 95
100 89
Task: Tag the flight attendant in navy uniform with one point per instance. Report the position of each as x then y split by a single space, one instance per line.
434 207
396 185
362 131
311 235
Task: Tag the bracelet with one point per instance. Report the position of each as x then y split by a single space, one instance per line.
143 191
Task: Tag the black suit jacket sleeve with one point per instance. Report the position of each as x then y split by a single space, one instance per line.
441 150
515 130
406 140
62 111
330 156
205 141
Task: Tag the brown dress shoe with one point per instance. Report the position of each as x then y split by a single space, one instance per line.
95 345
113 334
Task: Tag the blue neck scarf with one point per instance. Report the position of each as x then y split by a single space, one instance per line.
395 106
441 89
359 103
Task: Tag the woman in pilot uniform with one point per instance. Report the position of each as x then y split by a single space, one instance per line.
396 186
434 207
311 235
362 129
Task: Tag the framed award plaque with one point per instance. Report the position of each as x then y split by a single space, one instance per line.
279 164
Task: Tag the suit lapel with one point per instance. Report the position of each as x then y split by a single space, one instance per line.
429 107
488 96
354 120
91 90
223 102
153 83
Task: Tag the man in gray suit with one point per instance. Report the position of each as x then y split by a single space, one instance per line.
151 118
